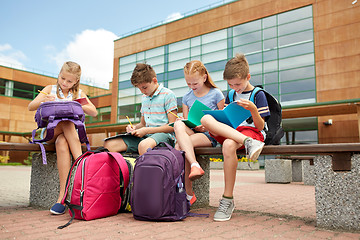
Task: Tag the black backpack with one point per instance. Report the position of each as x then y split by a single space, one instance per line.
275 131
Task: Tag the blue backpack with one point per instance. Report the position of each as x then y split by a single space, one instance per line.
158 192
275 131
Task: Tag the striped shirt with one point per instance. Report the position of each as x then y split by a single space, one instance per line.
155 108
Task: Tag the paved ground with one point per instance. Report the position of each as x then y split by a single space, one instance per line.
263 211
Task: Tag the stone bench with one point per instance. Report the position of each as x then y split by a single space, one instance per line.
336 174
286 169
336 167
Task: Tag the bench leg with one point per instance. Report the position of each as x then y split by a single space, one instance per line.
44 183
201 186
337 194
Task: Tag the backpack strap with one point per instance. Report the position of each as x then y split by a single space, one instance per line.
253 93
123 167
231 95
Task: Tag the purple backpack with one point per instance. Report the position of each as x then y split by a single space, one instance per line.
158 192
49 114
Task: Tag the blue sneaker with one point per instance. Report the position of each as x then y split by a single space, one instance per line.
57 209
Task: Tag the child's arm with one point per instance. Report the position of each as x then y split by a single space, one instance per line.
88 108
259 122
43 96
221 104
140 132
185 110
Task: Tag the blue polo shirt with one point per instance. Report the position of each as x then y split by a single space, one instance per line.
155 108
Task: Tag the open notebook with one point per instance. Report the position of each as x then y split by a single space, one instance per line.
232 115
195 114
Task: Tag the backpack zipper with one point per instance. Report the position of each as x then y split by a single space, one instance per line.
82 186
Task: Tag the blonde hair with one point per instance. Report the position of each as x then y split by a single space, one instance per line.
237 67
142 73
74 69
197 66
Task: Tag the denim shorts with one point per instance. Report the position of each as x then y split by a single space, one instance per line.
212 140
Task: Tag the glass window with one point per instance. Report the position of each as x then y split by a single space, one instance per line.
297 98
298 61
213 47
247 38
297 73
293 27
247 27
305 36
296 50
213 37
270 33
127 59
269 21
271 77
298 86
295 15
23 90
2 86
179 46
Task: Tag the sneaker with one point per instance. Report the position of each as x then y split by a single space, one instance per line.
253 148
196 173
57 209
226 208
192 200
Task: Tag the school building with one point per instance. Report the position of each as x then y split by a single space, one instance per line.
306 53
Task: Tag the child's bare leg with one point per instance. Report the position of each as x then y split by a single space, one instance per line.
145 144
188 183
72 138
182 133
230 163
221 129
63 163
115 145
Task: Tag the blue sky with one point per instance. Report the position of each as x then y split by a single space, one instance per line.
39 35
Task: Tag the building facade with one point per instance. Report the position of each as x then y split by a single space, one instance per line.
303 52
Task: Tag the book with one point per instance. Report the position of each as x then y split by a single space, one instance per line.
82 101
195 114
118 136
233 115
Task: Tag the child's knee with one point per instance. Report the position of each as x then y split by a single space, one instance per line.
206 119
179 126
61 141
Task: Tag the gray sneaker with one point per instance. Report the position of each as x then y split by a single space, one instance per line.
226 208
253 148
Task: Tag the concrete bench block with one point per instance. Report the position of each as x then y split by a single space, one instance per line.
201 186
337 194
308 174
44 183
240 166
278 171
297 170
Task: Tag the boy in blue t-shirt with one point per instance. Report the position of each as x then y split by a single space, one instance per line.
249 134
157 103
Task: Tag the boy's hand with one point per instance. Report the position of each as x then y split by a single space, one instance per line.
139 132
130 128
247 104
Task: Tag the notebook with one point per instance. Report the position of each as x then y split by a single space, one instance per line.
195 114
232 115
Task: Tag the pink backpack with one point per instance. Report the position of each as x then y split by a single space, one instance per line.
100 181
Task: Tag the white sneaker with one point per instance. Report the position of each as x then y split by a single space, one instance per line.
226 208
253 148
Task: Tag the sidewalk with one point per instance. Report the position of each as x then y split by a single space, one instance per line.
263 211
